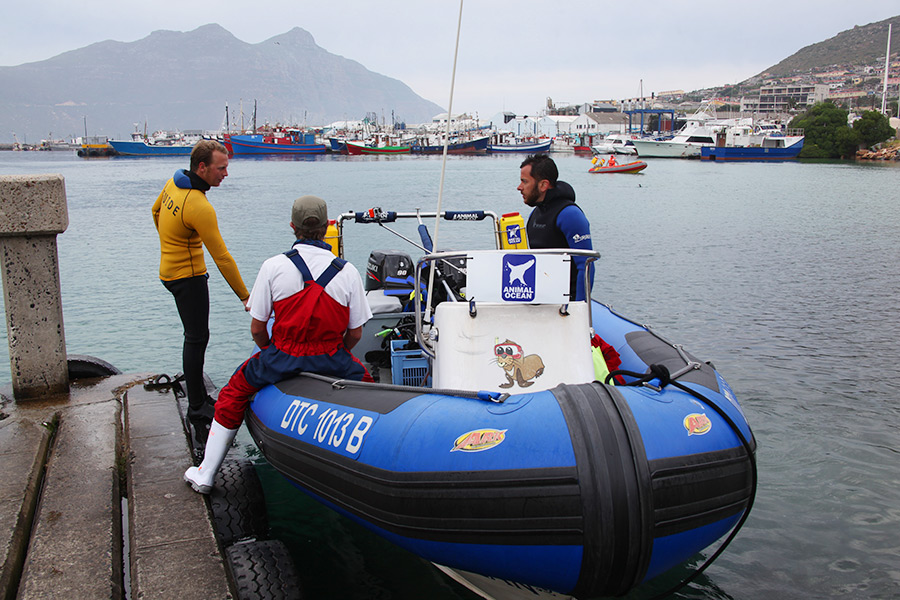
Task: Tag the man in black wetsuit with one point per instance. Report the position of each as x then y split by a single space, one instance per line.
556 221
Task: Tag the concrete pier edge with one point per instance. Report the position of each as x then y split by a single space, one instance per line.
109 430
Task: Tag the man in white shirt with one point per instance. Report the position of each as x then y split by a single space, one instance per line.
319 306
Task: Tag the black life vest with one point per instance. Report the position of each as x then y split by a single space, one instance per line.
542 230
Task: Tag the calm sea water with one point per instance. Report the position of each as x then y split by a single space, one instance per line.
786 276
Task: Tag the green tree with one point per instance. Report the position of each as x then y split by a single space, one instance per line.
827 133
873 127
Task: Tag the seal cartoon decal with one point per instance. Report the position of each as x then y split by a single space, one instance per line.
517 367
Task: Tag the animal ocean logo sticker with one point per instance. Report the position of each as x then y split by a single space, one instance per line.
518 278
478 440
697 424
517 367
513 235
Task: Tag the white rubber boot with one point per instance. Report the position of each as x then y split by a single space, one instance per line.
217 445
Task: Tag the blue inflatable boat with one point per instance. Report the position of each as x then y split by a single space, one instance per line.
517 464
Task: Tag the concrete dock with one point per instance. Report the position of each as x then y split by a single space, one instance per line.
92 501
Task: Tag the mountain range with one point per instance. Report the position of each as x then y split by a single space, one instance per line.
183 80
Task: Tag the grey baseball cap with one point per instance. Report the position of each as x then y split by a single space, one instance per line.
307 207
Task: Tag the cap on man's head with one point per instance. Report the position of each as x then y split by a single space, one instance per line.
312 208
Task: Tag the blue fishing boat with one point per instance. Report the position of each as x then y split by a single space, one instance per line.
142 148
743 143
499 444
472 146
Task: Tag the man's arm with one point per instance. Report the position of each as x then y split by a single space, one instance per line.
575 226
352 337
203 220
260 333
157 206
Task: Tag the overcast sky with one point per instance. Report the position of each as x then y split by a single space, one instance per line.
513 53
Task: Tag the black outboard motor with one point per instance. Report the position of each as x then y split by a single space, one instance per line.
391 271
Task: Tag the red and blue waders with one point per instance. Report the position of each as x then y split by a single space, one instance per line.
307 335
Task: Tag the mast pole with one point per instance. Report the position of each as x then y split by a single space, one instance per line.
887 68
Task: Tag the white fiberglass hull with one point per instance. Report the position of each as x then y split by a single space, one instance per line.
668 149
492 588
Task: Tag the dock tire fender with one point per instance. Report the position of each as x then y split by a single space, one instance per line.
263 570
238 503
82 366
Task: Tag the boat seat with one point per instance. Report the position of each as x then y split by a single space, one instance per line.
511 347
380 303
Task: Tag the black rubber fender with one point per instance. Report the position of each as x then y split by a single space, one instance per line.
238 503
82 366
263 570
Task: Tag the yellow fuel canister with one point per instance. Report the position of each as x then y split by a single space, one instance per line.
512 232
333 238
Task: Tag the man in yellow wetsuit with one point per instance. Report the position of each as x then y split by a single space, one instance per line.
186 221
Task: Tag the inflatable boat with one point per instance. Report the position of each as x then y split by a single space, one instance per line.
602 165
499 444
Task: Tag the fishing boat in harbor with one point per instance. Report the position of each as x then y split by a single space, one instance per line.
476 145
357 148
95 145
142 148
287 141
497 443
744 142
160 143
527 147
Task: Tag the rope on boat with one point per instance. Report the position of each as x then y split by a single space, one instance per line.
340 384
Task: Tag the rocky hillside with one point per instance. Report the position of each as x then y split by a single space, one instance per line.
862 45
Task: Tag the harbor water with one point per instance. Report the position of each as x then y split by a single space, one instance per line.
786 276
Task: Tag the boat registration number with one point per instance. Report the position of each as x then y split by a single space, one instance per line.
328 427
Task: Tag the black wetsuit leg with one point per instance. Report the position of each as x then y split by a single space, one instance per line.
192 299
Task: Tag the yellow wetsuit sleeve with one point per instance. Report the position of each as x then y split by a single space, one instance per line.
156 206
200 215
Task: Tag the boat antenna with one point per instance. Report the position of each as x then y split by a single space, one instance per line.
437 214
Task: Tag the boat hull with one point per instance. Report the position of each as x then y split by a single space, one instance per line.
632 167
584 489
254 144
477 146
738 153
667 149
526 148
132 148
357 149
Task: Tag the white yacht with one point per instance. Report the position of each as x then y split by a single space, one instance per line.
699 131
615 143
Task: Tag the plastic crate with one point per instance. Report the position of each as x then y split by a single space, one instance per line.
409 367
